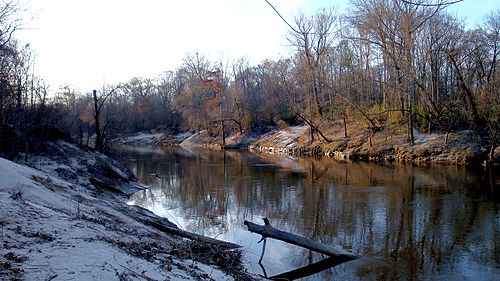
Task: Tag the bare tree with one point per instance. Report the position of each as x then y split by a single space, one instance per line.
10 21
392 26
191 95
98 101
313 37
214 81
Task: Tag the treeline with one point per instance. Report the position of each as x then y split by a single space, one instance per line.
383 62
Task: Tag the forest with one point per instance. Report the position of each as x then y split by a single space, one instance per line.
406 63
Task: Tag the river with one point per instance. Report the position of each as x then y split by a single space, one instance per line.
407 222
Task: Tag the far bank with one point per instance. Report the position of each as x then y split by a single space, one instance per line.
390 144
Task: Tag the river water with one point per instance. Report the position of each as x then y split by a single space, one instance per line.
407 222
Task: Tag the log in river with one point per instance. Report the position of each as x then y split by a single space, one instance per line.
267 230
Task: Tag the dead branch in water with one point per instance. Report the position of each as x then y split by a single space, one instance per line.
267 230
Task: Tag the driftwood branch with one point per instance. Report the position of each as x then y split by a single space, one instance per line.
267 230
164 225
193 236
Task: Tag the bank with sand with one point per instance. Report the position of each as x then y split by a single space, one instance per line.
64 216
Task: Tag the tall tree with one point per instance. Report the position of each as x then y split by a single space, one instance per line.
313 37
191 95
392 26
99 100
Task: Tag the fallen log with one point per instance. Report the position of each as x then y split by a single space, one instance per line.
267 230
148 218
223 245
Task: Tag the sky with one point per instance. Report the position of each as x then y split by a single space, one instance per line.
88 43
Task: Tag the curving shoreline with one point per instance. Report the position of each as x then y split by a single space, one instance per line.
64 215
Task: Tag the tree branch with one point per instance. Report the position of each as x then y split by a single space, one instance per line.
440 4
282 18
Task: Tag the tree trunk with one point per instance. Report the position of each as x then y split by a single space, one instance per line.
267 230
222 126
98 136
469 96
165 226
313 128
80 135
345 127
411 138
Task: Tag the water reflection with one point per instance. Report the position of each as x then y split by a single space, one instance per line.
409 223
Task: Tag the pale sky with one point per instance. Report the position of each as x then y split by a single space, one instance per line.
85 43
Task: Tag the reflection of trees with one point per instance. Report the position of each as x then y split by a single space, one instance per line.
422 220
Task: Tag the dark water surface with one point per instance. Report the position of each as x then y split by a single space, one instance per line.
408 223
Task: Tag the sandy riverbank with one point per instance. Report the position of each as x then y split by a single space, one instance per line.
64 217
